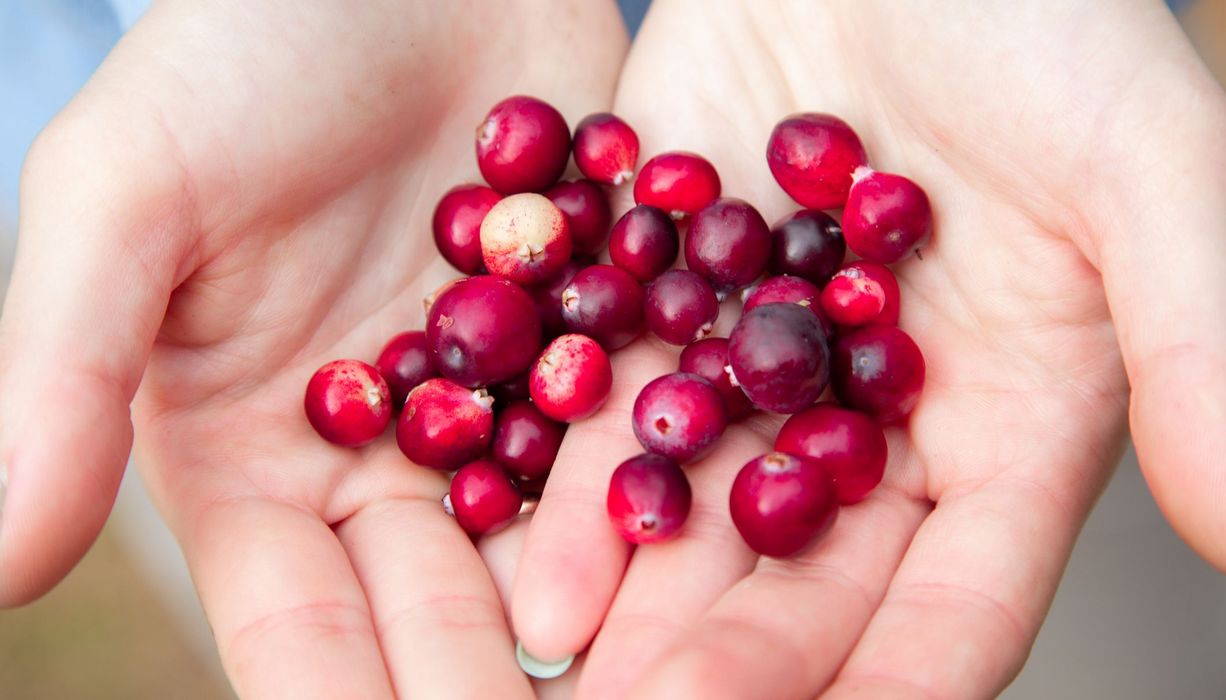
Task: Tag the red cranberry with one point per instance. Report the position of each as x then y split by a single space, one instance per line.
708 358
572 378
807 244
680 416
348 403
878 370
526 441
522 146
444 425
644 242
886 217
606 149
427 302
779 356
862 293
728 243
405 363
812 157
781 504
649 499
525 239
510 391
483 498
548 300
678 182
605 303
681 307
789 290
457 225
587 211
849 445
483 330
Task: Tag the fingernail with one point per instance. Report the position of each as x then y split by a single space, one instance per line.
540 669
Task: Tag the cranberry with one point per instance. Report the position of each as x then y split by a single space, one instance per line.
526 441
510 391
482 498
548 300
779 356
790 290
457 225
644 242
526 239
878 370
812 157
708 358
680 416
606 149
886 216
807 244
522 146
444 425
849 445
649 499
681 307
483 330
348 403
728 243
678 182
587 212
427 302
405 363
862 293
605 303
572 378
781 503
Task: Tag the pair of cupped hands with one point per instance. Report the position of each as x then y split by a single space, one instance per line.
243 192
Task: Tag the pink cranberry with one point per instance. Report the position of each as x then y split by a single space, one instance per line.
483 330
862 293
572 378
886 216
878 370
606 149
548 300
405 363
649 499
678 182
605 303
849 445
681 307
708 358
781 504
644 243
445 425
680 416
526 239
812 157
587 212
779 356
457 225
807 244
348 403
526 441
483 498
522 146
728 243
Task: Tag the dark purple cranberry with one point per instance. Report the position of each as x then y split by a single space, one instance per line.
781 504
445 425
708 358
483 498
483 330
728 243
348 403
848 444
526 441
878 370
680 416
522 145
649 499
681 307
510 391
644 242
604 303
779 356
405 363
587 211
807 244
548 300
457 225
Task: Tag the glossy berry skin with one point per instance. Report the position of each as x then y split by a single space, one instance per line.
878 370
782 504
405 363
779 357
605 303
482 330
708 358
728 243
548 300
571 379
649 499
812 157
483 498
807 244
587 212
644 243
526 441
886 217
680 307
445 425
680 416
348 403
522 145
510 391
606 149
862 293
677 182
849 445
790 290
525 239
457 225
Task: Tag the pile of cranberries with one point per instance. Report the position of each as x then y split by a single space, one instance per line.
518 349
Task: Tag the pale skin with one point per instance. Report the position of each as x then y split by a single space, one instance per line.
249 197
